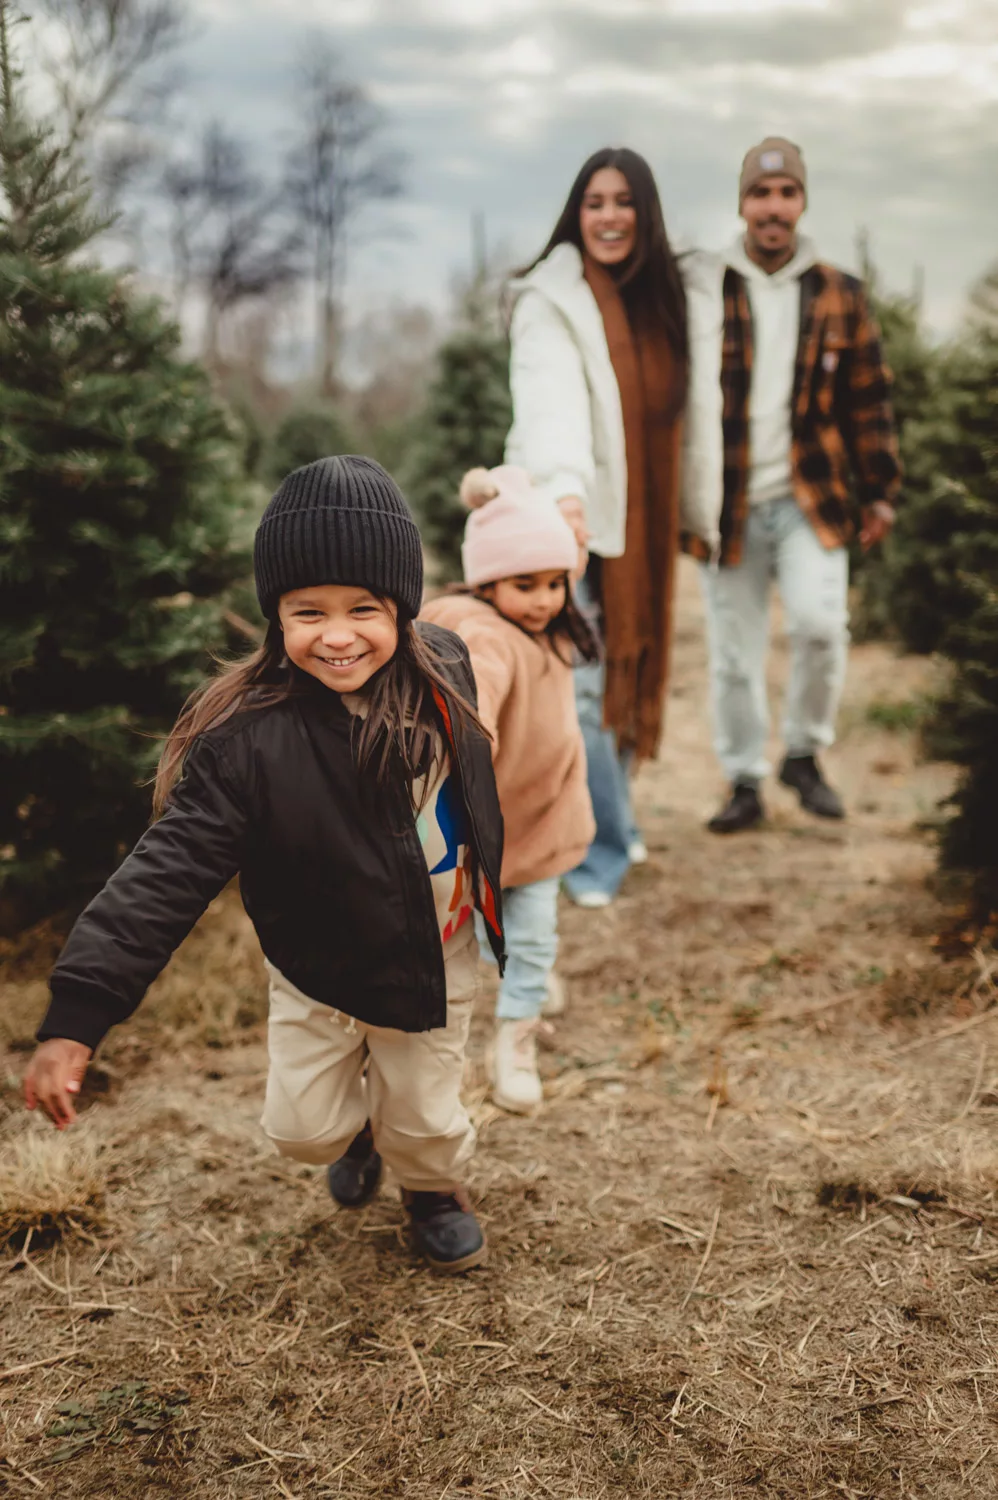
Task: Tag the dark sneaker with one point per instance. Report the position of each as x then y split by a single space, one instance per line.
353 1180
743 809
803 774
445 1229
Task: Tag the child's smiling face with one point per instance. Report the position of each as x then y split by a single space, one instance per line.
531 600
338 633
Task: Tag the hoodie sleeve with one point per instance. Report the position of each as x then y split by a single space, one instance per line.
552 434
127 934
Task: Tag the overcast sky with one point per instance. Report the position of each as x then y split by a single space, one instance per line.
498 102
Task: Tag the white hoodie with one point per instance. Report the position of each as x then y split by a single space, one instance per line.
775 302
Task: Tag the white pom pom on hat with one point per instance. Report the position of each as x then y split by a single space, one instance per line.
512 529
477 488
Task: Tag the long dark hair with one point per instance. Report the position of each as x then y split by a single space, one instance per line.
402 718
649 279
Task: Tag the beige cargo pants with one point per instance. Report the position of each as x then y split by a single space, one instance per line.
329 1073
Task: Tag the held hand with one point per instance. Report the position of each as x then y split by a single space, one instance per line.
579 571
54 1075
878 519
574 512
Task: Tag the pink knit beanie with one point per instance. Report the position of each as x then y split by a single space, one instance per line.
512 528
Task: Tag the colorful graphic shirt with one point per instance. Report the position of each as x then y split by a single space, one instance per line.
443 833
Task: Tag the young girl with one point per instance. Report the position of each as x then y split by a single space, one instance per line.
522 629
343 774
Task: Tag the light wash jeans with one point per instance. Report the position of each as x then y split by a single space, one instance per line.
813 581
530 919
607 860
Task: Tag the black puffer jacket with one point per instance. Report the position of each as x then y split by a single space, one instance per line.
331 871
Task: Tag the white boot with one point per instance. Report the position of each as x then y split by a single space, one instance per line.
591 900
555 999
637 851
516 1084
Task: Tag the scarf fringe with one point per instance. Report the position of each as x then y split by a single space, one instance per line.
632 705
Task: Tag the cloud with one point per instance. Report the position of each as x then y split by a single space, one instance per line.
497 102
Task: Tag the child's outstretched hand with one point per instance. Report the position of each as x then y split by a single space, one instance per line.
54 1075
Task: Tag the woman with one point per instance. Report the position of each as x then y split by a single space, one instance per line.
598 374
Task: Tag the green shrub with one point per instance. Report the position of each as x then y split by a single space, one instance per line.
124 515
464 424
303 436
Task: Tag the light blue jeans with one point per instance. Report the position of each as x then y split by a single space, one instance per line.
607 860
530 918
813 583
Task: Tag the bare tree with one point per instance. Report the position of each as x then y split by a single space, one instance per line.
478 292
984 304
335 169
392 349
111 64
229 235
181 188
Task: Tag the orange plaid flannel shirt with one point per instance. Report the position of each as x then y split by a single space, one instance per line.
845 451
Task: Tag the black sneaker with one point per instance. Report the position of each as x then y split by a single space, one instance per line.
445 1229
353 1180
743 809
803 774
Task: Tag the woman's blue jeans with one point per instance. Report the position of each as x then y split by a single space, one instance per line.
607 859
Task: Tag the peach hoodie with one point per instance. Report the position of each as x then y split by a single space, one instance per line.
526 701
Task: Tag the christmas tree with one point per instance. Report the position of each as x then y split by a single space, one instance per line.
123 515
936 587
914 364
912 587
302 437
463 425
918 585
958 569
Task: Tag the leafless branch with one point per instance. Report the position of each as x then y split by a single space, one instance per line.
229 234
112 67
336 168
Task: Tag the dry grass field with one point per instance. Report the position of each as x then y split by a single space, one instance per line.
749 1247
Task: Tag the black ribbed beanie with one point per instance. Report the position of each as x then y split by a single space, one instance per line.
339 520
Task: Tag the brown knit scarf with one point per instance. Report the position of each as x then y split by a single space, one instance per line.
637 588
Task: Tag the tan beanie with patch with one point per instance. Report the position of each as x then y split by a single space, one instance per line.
773 157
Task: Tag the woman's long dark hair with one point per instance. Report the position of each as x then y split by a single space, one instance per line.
402 718
649 279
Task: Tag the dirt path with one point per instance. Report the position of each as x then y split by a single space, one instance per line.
747 1248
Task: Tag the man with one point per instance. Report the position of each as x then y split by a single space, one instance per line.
804 417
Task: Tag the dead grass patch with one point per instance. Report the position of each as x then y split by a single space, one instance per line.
22 1006
960 987
748 1247
35 948
52 1186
